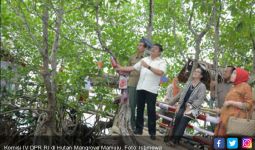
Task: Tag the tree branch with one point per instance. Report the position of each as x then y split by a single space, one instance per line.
208 25
190 20
74 41
98 31
177 40
23 108
198 37
24 19
55 45
73 31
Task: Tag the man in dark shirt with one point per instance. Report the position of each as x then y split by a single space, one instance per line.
133 80
222 88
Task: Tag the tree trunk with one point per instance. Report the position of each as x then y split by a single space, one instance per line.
253 49
46 74
216 14
49 76
253 43
198 51
122 125
150 23
52 103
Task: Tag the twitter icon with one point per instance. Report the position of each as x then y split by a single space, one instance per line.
232 143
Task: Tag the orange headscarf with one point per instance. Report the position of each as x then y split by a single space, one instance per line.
176 88
241 76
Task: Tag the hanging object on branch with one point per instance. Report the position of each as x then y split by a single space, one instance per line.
100 63
123 86
115 65
123 82
148 44
163 79
87 83
113 62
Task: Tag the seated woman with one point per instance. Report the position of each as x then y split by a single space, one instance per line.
191 99
170 98
237 102
172 91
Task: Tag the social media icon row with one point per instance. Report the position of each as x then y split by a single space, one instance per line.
232 143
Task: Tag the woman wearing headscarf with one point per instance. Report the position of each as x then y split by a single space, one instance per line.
237 102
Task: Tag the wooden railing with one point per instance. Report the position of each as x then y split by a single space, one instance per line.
207 117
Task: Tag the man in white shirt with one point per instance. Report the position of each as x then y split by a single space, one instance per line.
151 69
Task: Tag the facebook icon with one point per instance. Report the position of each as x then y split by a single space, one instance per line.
219 143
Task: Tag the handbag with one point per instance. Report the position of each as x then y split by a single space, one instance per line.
241 126
193 113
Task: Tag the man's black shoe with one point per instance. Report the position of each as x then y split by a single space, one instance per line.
153 137
138 132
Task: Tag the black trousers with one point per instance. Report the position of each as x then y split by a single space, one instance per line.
149 98
180 124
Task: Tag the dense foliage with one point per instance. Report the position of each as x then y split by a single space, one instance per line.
122 23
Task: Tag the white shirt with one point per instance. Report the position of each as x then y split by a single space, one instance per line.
148 80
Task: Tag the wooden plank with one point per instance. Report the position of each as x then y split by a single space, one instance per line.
145 140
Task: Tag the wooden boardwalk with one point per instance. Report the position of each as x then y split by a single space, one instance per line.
159 142
145 143
122 131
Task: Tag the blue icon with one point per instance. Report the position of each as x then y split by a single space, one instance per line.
219 143
232 143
